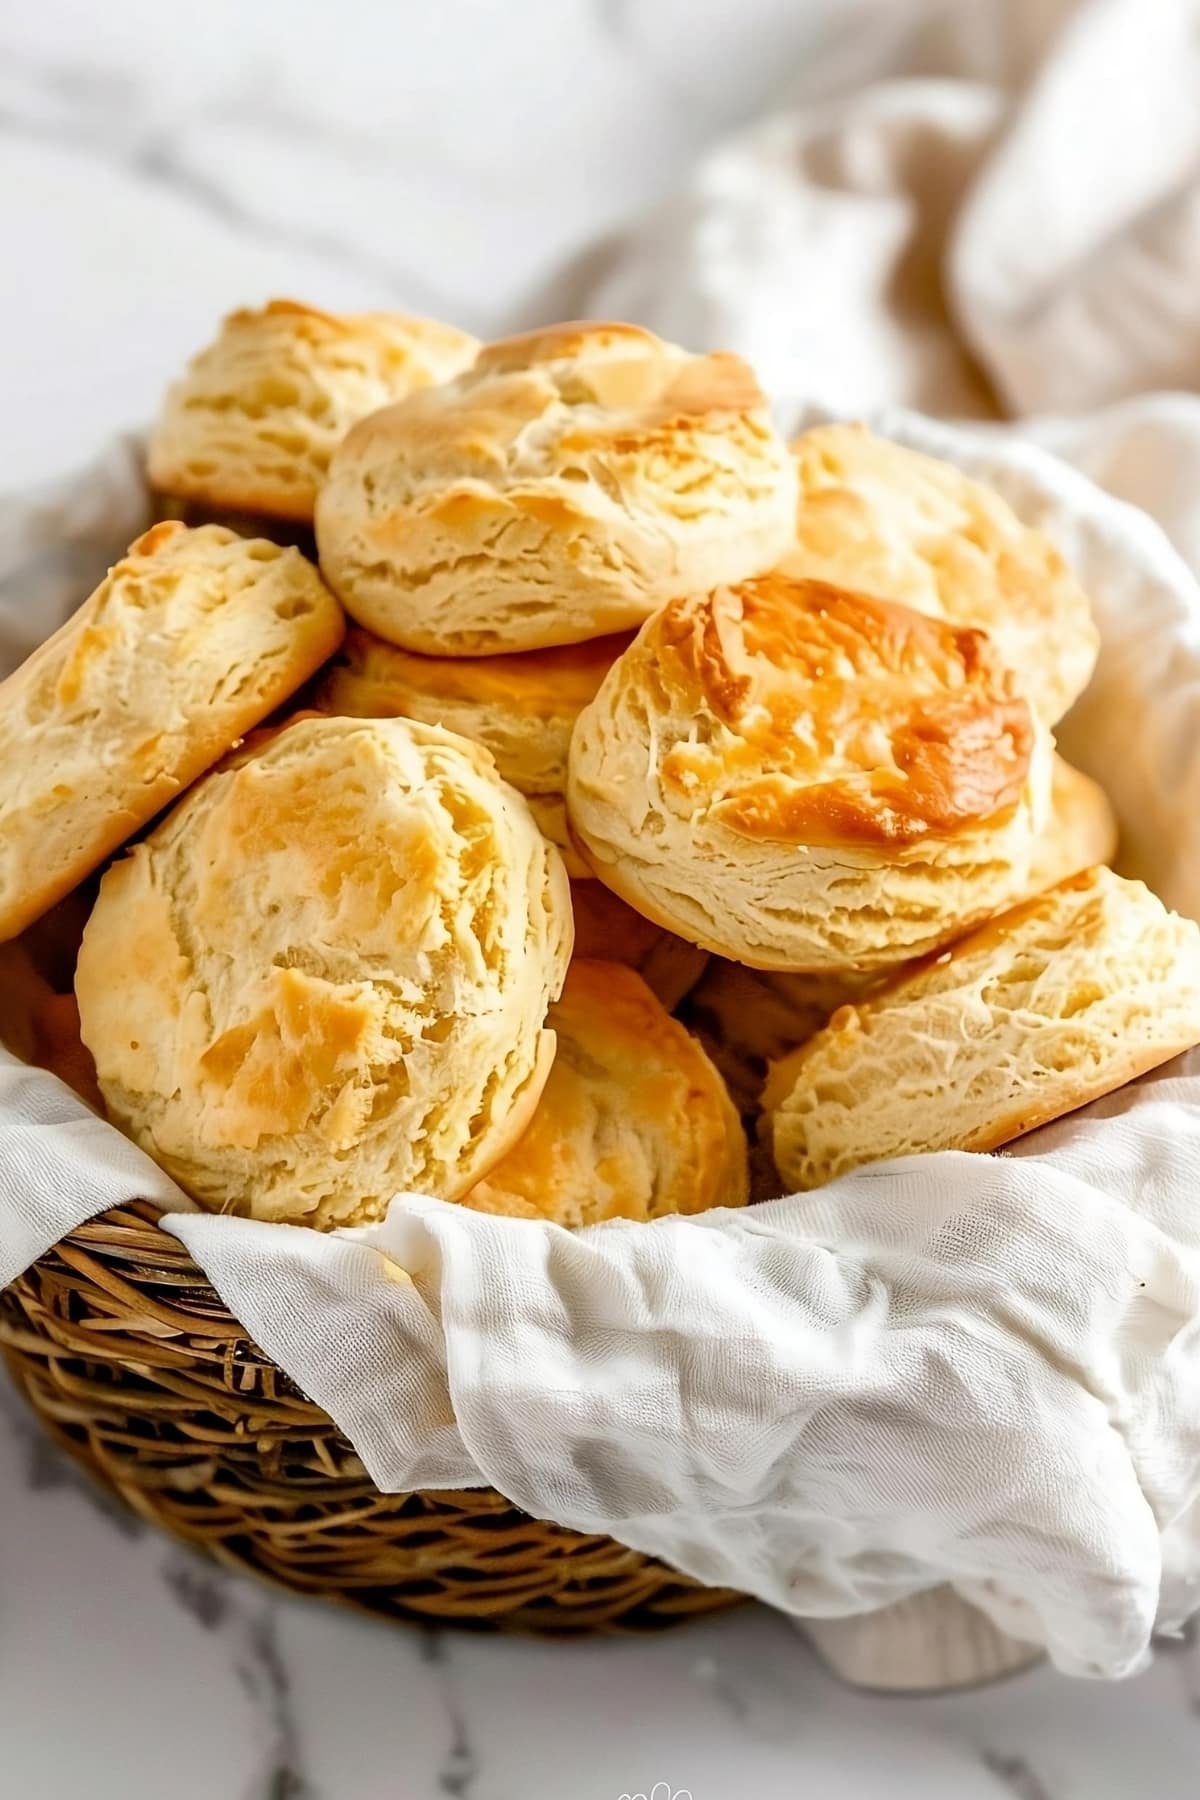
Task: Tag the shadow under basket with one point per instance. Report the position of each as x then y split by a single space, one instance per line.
123 1348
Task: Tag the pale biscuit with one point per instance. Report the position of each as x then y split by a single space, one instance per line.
550 811
192 639
253 422
634 1121
522 708
1081 830
324 978
798 777
558 490
607 930
903 526
1038 1012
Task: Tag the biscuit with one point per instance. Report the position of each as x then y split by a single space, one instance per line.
902 526
192 639
749 1018
522 708
634 1121
607 930
799 777
323 978
254 420
1038 1012
1081 830
559 490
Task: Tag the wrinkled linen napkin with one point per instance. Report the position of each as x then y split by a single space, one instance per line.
970 207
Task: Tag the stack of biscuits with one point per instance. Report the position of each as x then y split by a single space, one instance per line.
512 773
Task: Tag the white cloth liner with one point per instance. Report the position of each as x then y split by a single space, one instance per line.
987 200
976 1370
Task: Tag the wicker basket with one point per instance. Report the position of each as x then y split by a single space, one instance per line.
121 1345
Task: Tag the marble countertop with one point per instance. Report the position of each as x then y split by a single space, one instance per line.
158 168
132 1670
455 159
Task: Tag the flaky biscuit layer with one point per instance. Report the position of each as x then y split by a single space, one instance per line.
800 777
190 640
521 707
559 490
324 978
634 1121
254 420
904 526
1041 1010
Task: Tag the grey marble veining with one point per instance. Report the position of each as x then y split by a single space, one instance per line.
1016 1774
108 116
459 1769
458 159
43 1468
129 1658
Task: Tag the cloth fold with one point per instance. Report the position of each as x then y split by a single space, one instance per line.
949 1369
1001 215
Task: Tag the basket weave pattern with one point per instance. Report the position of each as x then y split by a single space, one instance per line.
121 1345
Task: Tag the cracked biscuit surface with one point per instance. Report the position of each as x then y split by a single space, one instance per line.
190 641
904 526
258 413
324 978
634 1121
559 490
797 776
749 1018
521 707
1041 1010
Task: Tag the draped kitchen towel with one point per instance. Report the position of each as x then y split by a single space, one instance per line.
985 207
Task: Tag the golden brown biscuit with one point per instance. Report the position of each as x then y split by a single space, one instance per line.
323 979
522 708
634 1121
903 526
606 930
1038 1012
799 777
749 1018
252 424
1081 830
557 491
192 639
